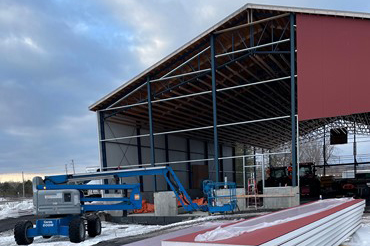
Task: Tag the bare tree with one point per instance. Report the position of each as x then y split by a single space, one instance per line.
312 151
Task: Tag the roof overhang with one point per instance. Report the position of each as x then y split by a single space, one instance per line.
120 91
253 85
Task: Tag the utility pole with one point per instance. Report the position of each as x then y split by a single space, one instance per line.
73 166
23 184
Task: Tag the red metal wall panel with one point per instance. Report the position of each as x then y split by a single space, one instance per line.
333 67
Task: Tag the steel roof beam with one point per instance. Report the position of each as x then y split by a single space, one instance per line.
251 23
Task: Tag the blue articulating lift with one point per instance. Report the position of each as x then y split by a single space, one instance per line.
66 210
220 200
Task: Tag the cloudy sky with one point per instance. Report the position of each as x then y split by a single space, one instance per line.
57 57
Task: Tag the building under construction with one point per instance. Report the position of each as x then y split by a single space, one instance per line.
252 86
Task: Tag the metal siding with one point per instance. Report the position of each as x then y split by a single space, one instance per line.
196 151
332 57
211 164
123 154
228 163
177 152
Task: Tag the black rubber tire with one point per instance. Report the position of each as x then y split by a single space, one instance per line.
20 232
46 237
93 225
77 230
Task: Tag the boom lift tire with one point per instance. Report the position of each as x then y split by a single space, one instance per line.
20 232
77 230
93 225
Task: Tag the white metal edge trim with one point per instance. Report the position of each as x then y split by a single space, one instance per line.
347 235
342 213
328 232
299 231
354 224
285 238
307 236
339 232
304 10
343 234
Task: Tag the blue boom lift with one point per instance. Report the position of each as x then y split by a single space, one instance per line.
68 211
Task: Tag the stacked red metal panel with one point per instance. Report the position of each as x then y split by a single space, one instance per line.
322 226
333 66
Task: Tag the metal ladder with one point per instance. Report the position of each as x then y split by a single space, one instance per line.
252 191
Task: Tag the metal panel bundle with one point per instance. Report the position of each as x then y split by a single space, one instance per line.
325 222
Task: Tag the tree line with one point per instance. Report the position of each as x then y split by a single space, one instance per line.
15 189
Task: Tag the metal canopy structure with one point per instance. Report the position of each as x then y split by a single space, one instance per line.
233 84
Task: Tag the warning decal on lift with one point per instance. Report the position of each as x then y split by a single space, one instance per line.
56 196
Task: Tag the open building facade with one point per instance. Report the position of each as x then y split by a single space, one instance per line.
251 87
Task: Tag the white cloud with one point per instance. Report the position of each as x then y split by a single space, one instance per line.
22 131
80 27
75 125
27 42
149 53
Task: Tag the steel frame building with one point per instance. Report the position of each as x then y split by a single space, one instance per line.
233 85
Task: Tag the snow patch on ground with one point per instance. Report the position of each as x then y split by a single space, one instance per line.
16 209
362 236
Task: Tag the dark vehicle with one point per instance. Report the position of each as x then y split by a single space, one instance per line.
308 181
278 176
357 187
282 176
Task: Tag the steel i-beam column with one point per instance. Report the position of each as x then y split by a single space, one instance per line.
292 98
167 154
221 163
254 163
152 150
214 103
205 146
102 144
234 164
139 158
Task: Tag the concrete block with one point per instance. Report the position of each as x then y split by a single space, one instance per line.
242 204
165 204
285 201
